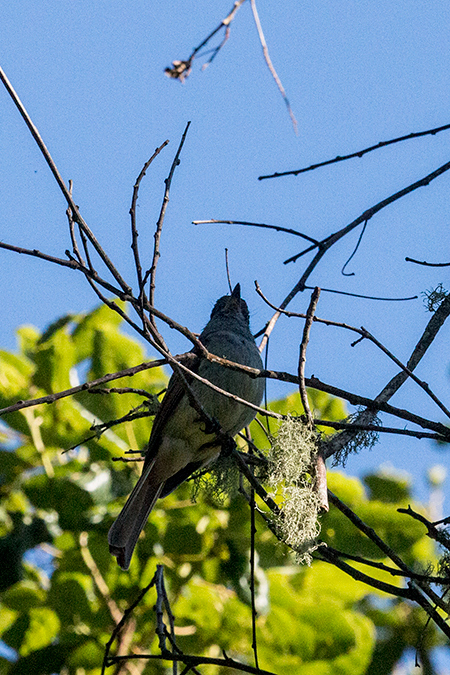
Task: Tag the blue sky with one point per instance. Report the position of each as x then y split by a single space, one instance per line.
92 77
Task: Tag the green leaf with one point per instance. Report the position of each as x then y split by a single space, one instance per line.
101 319
349 489
87 655
28 337
7 618
11 466
182 538
15 634
43 628
54 357
63 496
71 596
23 596
389 488
15 374
322 581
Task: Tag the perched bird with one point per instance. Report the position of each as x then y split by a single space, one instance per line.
179 443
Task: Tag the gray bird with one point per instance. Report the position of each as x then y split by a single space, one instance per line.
178 444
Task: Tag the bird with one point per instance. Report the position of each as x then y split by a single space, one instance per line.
180 442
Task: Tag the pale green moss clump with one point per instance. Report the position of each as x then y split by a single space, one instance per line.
291 461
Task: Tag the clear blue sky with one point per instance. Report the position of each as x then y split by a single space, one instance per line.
91 76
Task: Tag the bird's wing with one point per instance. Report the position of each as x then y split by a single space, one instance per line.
174 394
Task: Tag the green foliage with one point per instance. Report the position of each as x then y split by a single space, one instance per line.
310 619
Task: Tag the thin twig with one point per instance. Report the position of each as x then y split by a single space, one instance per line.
359 153
376 429
329 241
247 223
72 264
387 550
194 660
411 593
427 264
252 576
252 553
393 571
86 386
106 658
171 633
270 66
406 371
103 427
181 69
121 390
327 555
159 224
438 535
363 295
227 267
260 491
302 355
75 247
134 232
160 626
217 49
319 462
352 274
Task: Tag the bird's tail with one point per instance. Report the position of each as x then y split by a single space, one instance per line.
125 531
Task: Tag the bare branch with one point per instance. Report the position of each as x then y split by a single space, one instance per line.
278 228
227 268
270 66
329 241
339 441
302 355
51 398
352 274
363 295
359 153
43 256
434 325
377 429
181 69
192 660
119 627
393 571
319 462
159 224
432 531
364 334
134 232
387 550
406 371
427 264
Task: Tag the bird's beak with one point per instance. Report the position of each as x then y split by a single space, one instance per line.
236 293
